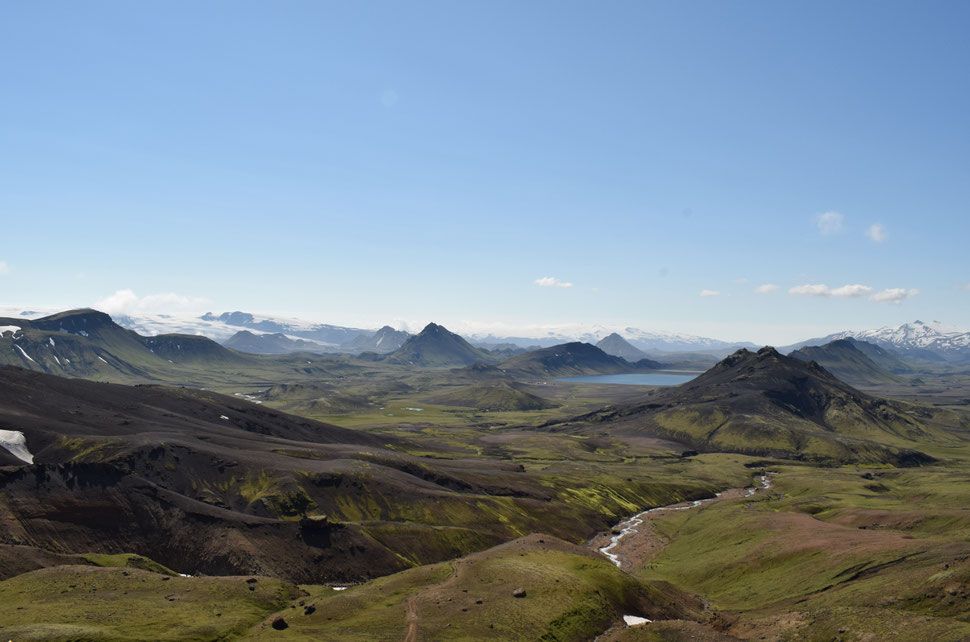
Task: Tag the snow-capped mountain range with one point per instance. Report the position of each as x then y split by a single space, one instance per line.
154 324
917 339
219 328
333 335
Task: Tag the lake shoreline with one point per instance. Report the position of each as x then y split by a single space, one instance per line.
652 378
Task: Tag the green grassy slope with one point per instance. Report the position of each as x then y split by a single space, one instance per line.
83 602
498 395
832 552
570 594
217 484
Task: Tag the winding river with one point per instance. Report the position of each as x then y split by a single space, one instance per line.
630 526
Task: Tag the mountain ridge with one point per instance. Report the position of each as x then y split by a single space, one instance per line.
847 362
916 339
272 343
764 403
568 359
384 341
88 343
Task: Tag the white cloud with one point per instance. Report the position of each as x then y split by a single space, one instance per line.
552 282
765 288
710 293
965 287
127 302
893 295
830 223
890 295
846 291
811 290
4 268
852 291
877 233
741 281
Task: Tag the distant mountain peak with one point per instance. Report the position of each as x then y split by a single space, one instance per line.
84 315
435 346
743 354
384 341
616 345
83 322
573 358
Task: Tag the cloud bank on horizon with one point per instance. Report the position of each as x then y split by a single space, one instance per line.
126 302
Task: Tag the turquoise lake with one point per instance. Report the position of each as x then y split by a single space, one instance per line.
640 379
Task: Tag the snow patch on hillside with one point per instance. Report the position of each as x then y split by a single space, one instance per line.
16 444
26 356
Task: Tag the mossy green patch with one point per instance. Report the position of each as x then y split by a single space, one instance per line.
128 560
81 602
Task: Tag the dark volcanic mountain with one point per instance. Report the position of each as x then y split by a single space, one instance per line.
204 483
568 359
175 474
844 360
384 341
617 346
276 343
436 347
767 404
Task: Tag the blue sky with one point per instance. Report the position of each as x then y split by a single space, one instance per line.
370 161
